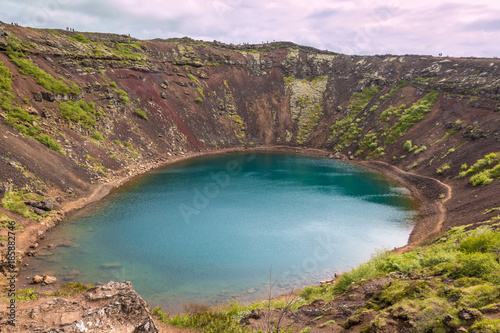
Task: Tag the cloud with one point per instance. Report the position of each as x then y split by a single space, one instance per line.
454 27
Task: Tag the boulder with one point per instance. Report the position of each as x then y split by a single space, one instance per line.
47 279
37 279
38 211
47 204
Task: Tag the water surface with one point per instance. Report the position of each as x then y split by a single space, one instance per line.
214 228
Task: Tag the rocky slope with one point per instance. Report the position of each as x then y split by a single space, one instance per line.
82 110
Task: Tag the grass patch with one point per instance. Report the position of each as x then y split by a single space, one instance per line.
49 142
80 112
14 202
411 116
349 128
27 294
72 288
443 169
289 79
484 171
141 114
97 136
47 81
80 38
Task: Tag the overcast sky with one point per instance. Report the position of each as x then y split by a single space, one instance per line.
430 27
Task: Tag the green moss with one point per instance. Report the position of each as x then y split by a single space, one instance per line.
141 114
27 294
80 112
289 80
347 129
309 122
49 142
123 96
14 201
443 169
484 171
80 38
411 116
27 67
97 136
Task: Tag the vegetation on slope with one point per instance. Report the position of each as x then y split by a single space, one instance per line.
484 171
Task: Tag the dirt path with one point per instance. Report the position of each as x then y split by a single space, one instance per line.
431 195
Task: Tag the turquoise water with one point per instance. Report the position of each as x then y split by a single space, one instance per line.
214 228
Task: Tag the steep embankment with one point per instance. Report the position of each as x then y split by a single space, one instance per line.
82 112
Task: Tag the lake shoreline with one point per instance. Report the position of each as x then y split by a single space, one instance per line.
424 190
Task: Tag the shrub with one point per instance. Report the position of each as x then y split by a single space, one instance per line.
141 114
80 38
486 326
113 84
52 144
198 100
411 116
27 67
443 169
481 241
407 146
472 265
123 96
128 145
419 150
97 136
79 112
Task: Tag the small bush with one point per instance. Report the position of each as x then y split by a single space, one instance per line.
129 145
198 100
472 265
486 326
443 169
80 112
407 146
24 295
113 84
80 38
481 241
141 114
97 136
123 97
419 150
52 144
